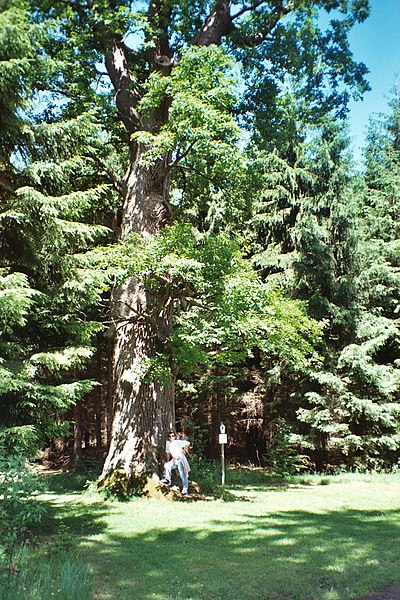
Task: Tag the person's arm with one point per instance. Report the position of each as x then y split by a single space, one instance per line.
168 455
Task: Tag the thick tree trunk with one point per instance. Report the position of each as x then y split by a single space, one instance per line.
144 407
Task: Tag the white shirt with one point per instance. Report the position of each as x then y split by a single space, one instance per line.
175 447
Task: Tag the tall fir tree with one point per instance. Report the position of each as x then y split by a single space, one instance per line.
52 204
354 410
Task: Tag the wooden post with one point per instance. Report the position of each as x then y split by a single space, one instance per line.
223 439
223 467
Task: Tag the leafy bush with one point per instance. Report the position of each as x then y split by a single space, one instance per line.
18 507
206 474
21 440
282 457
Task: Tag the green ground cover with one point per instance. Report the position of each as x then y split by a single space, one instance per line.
330 538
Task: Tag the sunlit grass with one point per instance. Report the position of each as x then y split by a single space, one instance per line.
306 537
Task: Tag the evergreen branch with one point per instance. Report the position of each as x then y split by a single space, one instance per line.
114 181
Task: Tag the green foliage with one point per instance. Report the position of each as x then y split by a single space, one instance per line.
207 474
315 63
53 205
18 55
65 541
64 576
288 209
18 508
22 440
354 414
224 311
354 410
282 456
202 98
200 138
15 300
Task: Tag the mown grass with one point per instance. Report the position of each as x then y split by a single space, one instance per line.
308 537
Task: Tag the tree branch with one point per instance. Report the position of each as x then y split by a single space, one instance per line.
159 55
126 87
181 156
259 37
216 26
194 170
117 185
220 23
247 9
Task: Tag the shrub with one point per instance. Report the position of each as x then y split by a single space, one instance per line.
282 457
18 506
206 474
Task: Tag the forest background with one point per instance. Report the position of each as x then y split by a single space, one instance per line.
185 239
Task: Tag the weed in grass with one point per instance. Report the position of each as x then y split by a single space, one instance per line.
64 541
42 578
19 508
206 474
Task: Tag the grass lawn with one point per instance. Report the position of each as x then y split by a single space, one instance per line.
331 538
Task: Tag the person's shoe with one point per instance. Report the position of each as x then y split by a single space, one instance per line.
165 481
184 491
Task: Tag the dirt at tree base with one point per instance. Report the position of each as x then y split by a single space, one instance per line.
390 593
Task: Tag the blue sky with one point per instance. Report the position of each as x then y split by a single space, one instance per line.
376 42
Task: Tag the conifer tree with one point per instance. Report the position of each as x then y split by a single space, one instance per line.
307 239
354 408
45 216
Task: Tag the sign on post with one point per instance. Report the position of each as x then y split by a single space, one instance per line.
223 439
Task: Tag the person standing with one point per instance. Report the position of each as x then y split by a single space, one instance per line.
176 459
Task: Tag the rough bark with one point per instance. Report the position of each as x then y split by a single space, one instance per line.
144 408
215 26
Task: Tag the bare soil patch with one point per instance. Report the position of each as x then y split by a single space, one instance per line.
390 593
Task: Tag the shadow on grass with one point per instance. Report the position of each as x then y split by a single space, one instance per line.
67 481
78 518
296 555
